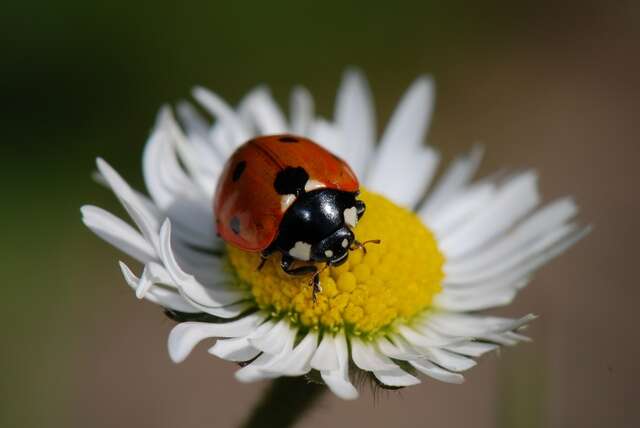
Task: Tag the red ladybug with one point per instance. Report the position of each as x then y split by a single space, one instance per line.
287 194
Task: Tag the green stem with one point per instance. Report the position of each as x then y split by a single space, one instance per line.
284 402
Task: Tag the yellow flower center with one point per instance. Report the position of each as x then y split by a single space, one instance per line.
393 281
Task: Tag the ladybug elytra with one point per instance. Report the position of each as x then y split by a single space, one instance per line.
287 194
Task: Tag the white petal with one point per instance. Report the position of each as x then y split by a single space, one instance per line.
396 377
274 340
176 193
163 175
406 180
237 349
453 181
517 336
436 372
224 113
222 142
143 218
500 289
193 222
325 357
513 201
355 116
302 111
401 161
476 302
210 159
338 380
242 344
262 112
458 211
194 122
210 162
159 295
185 336
207 266
475 325
508 260
252 372
264 366
410 121
152 274
422 338
118 233
221 301
297 362
397 350
449 360
472 349
535 262
277 366
201 169
170 299
368 358
539 223
402 350
149 205
328 136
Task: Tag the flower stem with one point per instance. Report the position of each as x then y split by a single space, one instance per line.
284 402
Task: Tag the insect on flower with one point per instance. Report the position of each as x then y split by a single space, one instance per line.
404 310
287 194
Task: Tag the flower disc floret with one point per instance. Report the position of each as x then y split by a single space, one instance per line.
391 282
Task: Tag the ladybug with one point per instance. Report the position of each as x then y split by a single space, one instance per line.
287 194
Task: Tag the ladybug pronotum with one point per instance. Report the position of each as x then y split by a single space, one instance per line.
287 194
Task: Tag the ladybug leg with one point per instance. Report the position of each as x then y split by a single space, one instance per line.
264 256
302 270
315 283
263 260
286 263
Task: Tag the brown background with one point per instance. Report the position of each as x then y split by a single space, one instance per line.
545 85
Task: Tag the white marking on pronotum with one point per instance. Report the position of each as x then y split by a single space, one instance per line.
328 253
301 251
345 243
286 201
313 185
351 216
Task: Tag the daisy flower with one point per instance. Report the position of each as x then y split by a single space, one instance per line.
405 309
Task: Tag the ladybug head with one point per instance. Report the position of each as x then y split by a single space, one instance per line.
333 249
319 226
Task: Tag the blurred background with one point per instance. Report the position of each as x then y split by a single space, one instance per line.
544 84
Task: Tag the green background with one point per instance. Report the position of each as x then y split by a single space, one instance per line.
549 85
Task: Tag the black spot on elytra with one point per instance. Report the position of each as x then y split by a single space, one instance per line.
288 139
235 225
238 170
291 181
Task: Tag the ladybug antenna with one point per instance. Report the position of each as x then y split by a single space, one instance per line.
357 244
